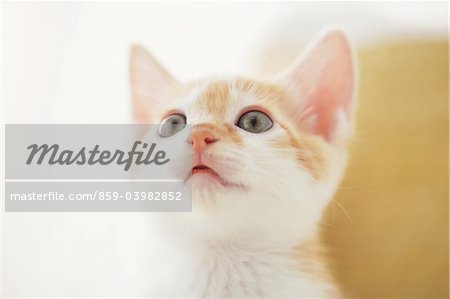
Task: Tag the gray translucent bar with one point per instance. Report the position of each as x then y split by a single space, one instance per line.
129 196
108 137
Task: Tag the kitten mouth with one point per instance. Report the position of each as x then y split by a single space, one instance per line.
203 169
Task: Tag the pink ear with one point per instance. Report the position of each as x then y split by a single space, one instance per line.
149 82
322 84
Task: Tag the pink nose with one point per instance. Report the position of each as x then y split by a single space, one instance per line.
201 138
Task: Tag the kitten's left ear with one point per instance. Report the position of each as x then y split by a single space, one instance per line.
149 82
322 84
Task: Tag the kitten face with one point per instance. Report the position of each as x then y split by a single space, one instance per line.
267 155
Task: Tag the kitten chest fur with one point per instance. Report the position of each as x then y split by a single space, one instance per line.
218 271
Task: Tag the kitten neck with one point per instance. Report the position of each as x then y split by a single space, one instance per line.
219 269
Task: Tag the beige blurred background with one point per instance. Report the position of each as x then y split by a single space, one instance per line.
394 241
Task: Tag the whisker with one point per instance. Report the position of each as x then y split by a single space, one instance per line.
343 209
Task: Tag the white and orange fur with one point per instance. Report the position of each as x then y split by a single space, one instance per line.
255 236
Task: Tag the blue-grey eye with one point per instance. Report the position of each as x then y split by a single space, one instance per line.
255 122
171 125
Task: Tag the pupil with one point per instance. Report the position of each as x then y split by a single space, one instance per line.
254 121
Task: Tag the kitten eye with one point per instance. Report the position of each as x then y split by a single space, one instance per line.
255 122
172 125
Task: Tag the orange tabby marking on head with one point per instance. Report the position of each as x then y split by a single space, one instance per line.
309 152
265 92
256 87
214 99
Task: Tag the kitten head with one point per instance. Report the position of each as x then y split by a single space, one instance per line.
267 154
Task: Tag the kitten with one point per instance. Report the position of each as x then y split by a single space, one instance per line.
267 158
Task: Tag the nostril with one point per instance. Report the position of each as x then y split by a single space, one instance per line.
210 139
202 137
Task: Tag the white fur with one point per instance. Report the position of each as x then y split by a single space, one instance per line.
214 270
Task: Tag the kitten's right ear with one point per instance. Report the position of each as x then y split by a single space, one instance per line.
149 82
322 83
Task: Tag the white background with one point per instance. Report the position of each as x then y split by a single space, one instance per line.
67 63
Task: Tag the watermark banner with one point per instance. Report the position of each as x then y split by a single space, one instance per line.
101 168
